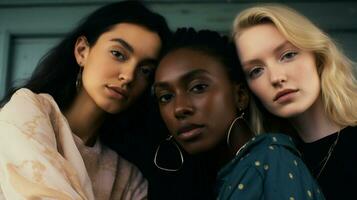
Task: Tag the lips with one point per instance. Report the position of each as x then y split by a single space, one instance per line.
118 90
283 93
189 131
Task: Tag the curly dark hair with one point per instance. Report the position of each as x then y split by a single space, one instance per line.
209 42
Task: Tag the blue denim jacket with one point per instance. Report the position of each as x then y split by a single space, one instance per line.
268 167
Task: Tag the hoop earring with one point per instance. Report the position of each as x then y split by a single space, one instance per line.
179 150
79 79
231 126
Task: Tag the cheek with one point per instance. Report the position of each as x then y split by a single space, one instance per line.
310 77
219 107
166 115
311 71
99 71
313 81
90 79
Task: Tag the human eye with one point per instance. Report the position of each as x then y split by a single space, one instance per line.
255 72
288 56
163 98
147 70
199 88
119 55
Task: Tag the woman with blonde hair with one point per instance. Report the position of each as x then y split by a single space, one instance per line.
298 74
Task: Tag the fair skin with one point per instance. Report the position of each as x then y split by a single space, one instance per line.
285 79
116 71
197 100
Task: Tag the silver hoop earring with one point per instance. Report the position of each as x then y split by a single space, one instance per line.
230 128
157 151
79 79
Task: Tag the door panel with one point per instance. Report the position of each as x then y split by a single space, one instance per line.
25 54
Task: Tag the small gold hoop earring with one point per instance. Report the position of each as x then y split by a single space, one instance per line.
230 128
157 152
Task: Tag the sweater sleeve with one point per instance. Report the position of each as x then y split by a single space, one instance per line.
31 167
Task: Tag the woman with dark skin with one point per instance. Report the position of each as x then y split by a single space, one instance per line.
202 100
96 72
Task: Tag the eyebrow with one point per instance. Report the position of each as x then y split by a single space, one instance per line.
281 46
275 50
131 49
124 44
185 78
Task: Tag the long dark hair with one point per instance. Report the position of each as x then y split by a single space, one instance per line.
57 71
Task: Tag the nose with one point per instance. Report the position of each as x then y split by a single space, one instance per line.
183 107
127 73
277 76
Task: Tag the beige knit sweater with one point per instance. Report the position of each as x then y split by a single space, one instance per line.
40 157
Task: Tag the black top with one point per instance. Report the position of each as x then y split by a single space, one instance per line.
338 178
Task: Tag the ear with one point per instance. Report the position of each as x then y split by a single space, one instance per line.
241 96
81 50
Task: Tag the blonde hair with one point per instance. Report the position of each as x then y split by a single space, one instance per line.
338 84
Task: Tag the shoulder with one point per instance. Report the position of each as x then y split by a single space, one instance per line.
269 146
350 132
267 153
347 142
261 152
272 161
275 151
27 94
26 106
35 115
21 97
346 147
25 101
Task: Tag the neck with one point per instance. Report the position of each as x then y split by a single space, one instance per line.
314 124
85 118
216 158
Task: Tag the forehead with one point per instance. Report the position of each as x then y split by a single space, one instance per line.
258 35
138 37
258 39
182 61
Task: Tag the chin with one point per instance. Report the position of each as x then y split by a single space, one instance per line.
113 109
289 113
194 148
193 151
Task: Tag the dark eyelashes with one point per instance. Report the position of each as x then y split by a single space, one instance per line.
119 55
